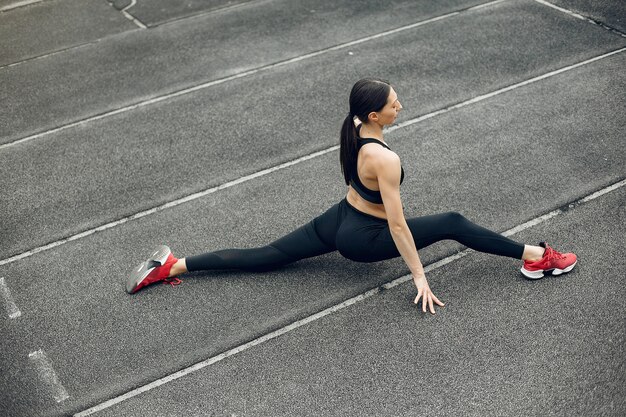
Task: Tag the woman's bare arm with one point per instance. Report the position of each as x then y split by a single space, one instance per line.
388 171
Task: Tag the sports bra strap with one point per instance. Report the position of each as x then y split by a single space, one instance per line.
364 141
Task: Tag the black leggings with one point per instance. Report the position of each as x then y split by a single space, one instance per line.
357 236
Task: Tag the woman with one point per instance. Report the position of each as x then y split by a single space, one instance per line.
369 224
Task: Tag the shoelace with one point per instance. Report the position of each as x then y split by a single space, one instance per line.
173 281
552 254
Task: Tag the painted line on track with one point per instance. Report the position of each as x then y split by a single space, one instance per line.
603 191
579 16
48 376
49 54
244 74
170 204
18 4
218 10
266 171
9 304
503 90
130 17
569 12
81 45
330 310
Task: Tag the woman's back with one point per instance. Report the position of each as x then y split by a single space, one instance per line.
364 190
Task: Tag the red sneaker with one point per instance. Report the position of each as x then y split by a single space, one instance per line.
156 268
552 263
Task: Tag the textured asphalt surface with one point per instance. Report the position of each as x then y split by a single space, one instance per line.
103 119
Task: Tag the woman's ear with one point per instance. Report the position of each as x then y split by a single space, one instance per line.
372 117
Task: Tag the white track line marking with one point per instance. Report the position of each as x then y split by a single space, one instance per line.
502 90
480 6
238 75
603 191
48 376
82 45
578 16
532 222
170 204
328 311
60 51
569 12
10 305
290 163
220 9
19 4
130 16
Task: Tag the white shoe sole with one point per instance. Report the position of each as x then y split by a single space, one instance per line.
541 272
158 258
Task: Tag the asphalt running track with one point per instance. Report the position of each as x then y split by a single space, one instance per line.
216 127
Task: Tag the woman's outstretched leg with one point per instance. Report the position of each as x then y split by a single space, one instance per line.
427 230
313 239
254 259
297 245
538 260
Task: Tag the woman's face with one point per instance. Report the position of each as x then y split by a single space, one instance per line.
388 114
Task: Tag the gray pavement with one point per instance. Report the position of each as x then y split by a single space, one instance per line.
501 161
158 12
54 25
611 14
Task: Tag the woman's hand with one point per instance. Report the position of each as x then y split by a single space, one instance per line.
423 291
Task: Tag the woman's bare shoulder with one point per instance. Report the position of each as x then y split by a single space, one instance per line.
382 160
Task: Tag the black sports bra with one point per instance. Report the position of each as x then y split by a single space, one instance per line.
372 196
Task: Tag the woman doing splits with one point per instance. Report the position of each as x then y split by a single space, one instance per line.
369 224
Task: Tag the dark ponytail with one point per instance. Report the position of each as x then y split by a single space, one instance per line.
348 147
367 95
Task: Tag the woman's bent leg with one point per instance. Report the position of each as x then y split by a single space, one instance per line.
313 239
427 230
